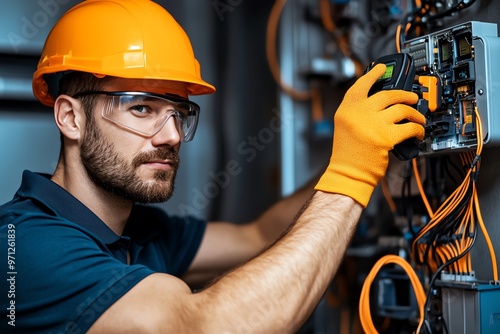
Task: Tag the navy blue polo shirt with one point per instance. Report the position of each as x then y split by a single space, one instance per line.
61 267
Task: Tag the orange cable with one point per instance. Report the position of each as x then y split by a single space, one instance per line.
272 57
364 303
326 16
491 249
420 188
387 195
398 42
467 223
330 26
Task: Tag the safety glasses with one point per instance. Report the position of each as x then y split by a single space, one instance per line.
147 113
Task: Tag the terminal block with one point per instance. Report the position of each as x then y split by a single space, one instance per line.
457 73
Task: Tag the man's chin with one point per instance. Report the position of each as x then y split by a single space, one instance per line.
156 190
148 174
150 196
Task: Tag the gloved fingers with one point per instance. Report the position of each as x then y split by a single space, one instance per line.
360 89
386 98
409 130
400 112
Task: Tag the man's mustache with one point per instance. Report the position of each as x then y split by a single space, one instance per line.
163 153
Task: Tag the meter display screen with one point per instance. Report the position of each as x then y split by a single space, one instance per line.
399 73
388 72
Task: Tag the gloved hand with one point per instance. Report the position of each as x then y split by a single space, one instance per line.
365 130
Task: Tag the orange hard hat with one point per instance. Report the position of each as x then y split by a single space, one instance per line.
135 39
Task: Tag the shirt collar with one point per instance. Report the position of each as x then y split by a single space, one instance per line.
39 187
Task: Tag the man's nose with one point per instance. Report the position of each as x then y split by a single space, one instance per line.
168 134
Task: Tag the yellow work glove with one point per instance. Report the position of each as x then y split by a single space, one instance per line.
365 130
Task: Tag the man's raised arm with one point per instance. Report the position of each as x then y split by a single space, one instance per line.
276 291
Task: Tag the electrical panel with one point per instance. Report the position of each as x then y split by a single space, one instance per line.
458 71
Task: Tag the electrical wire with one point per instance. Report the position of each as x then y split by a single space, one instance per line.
313 94
460 6
384 185
444 243
456 217
364 302
451 219
272 57
410 21
406 194
488 240
419 20
342 42
432 282
420 188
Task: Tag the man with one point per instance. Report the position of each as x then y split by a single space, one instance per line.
85 256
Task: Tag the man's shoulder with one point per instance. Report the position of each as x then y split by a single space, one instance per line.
64 267
37 225
22 210
23 202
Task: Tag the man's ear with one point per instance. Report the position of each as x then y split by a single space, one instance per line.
69 116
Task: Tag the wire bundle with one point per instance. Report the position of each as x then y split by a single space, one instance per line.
444 243
420 18
451 232
364 303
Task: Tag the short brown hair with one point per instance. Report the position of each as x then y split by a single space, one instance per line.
72 82
76 82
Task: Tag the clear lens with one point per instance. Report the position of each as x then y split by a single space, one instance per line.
147 114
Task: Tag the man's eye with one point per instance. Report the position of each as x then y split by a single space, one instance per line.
140 110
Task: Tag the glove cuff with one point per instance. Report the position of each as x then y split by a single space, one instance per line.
359 190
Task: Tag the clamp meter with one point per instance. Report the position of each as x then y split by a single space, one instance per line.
399 74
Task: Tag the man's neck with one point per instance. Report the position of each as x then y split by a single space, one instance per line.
112 209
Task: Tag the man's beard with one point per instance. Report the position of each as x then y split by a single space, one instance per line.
108 170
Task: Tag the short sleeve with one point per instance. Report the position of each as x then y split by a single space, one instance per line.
63 277
168 244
